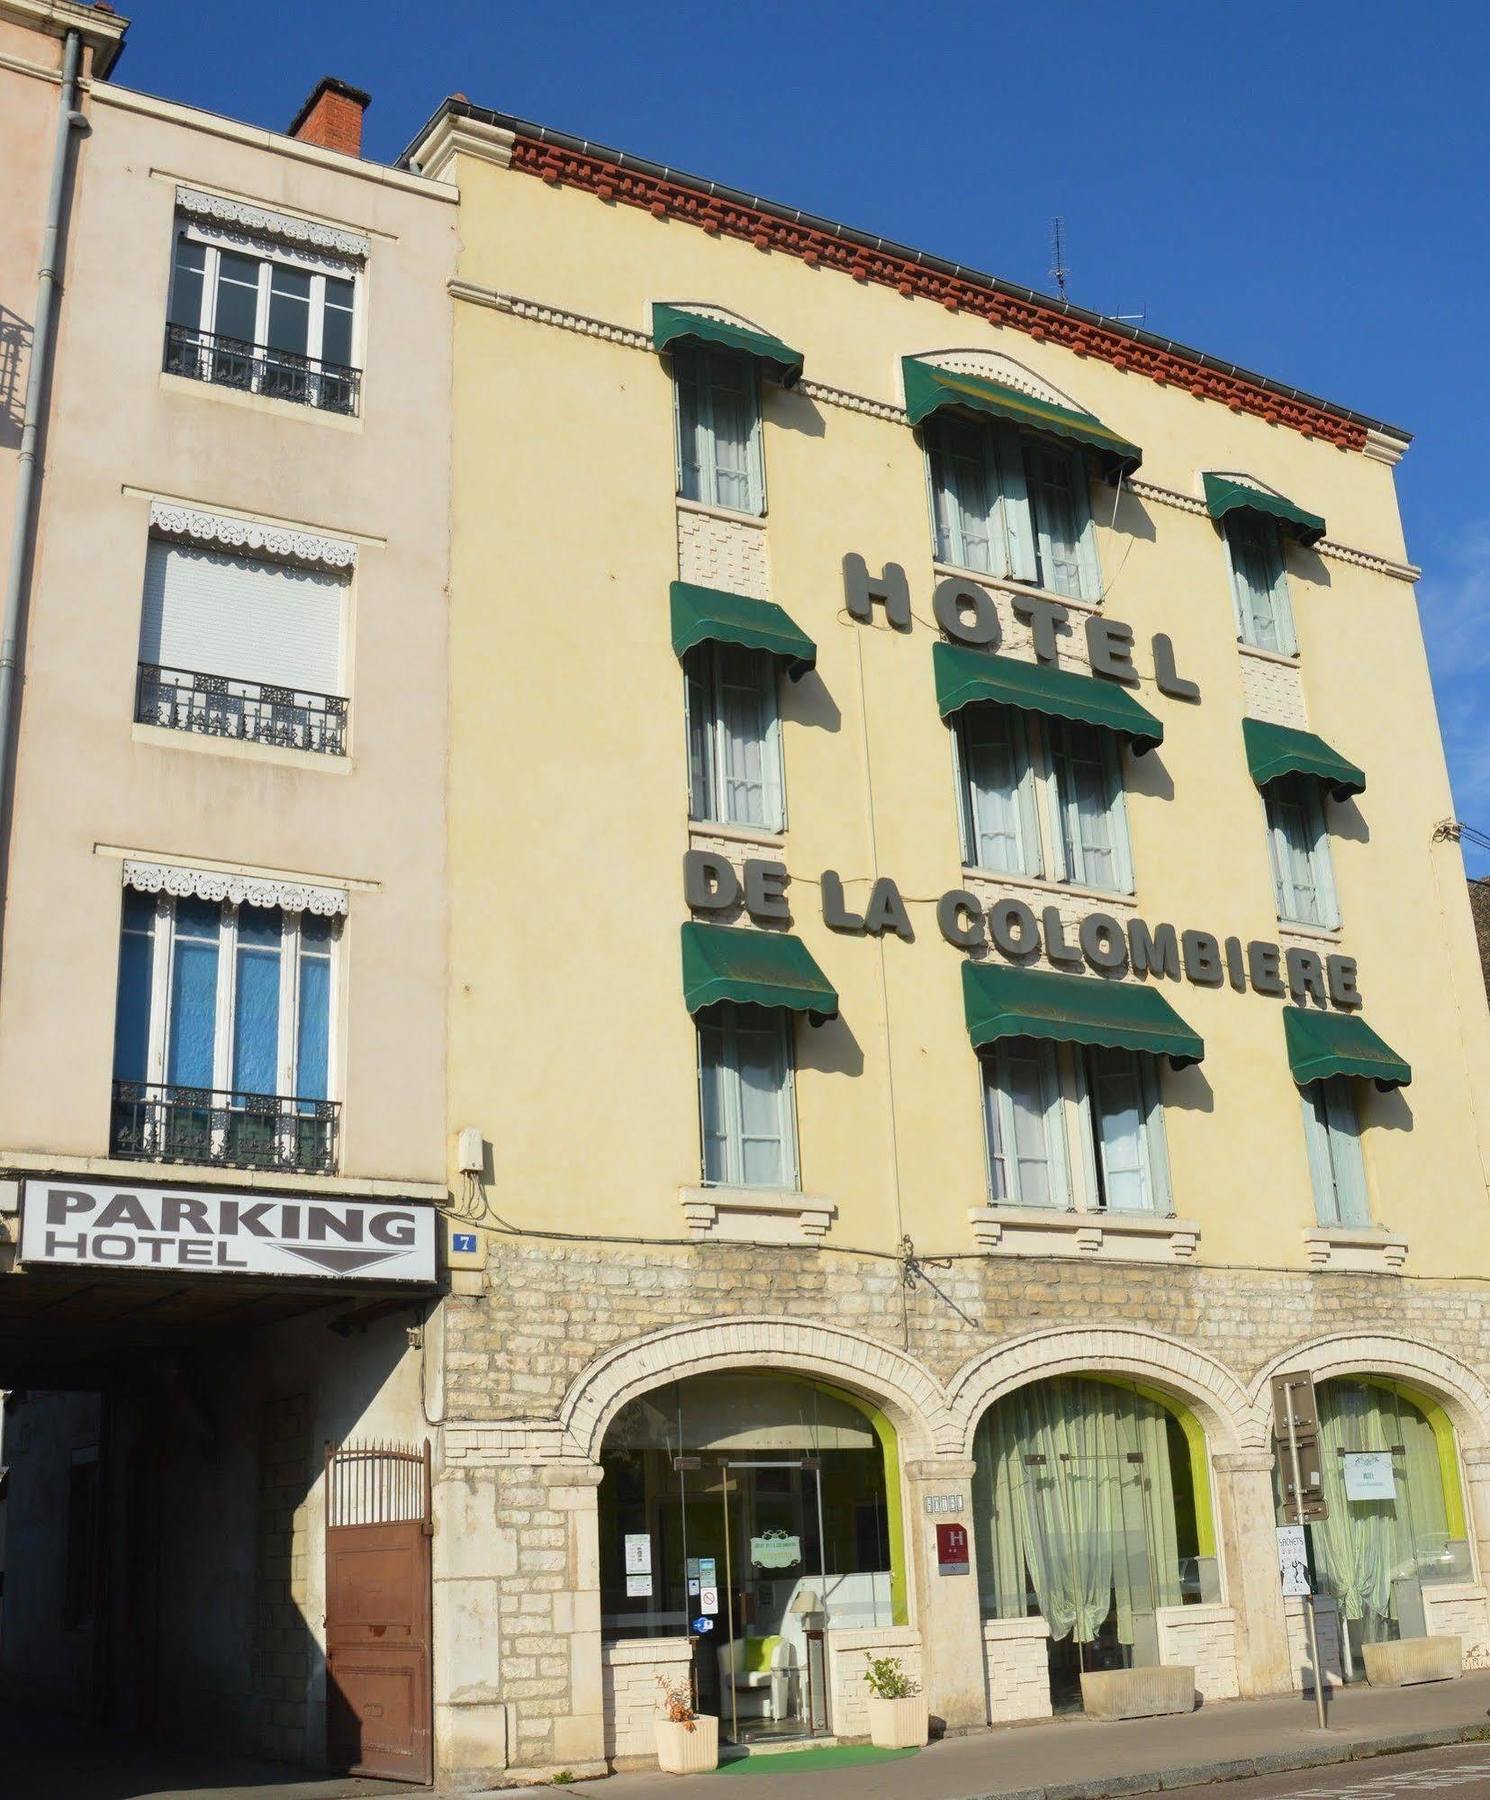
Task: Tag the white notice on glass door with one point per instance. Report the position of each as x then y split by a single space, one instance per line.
638 1553
638 1587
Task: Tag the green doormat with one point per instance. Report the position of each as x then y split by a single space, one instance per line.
803 1762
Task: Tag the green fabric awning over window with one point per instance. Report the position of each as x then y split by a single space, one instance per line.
710 615
1276 750
965 676
672 325
1322 1044
1073 1009
753 968
1224 494
929 389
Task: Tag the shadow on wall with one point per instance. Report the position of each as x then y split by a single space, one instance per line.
208 1552
15 359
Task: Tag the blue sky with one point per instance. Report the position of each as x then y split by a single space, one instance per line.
1296 187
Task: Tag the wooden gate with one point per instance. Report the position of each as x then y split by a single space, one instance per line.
378 1703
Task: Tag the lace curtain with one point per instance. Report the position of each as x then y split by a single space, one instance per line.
1364 1543
1074 1498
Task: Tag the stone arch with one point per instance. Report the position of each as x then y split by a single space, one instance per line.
1219 1399
909 1394
995 365
1464 1395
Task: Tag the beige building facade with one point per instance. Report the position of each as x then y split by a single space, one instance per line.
1076 1017
223 980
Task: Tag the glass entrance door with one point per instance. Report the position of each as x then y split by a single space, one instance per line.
772 1666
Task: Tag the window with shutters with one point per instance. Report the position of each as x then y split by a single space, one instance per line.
1025 1126
1012 503
1259 583
746 1106
1299 852
718 418
267 321
1332 1132
1041 797
222 1034
734 737
241 647
1074 1129
1126 1131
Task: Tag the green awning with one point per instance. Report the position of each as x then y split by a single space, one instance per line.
929 389
964 676
753 968
1322 1044
702 615
1073 1009
672 325
1224 494
1274 750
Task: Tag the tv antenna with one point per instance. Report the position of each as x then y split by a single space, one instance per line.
1059 273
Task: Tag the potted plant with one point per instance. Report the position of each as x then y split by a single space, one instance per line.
897 1707
687 1741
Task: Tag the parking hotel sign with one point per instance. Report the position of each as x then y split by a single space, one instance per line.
68 1224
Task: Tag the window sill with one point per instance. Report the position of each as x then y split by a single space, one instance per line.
1320 934
259 403
202 743
1374 1250
1040 884
1113 1237
1284 659
981 578
708 510
756 1215
706 831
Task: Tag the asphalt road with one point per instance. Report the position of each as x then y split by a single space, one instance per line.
1459 1774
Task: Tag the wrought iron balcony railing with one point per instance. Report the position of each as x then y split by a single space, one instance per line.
254 712
163 1122
256 369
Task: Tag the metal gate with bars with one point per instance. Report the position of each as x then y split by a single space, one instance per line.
378 1528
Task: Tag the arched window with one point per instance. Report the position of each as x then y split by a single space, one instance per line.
1091 1508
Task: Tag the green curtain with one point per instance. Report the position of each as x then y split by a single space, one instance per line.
1074 1497
1364 1543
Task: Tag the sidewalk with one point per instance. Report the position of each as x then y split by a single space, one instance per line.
1079 1759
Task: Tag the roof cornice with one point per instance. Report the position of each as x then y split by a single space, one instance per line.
623 179
102 31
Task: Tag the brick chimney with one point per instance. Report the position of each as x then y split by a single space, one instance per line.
332 116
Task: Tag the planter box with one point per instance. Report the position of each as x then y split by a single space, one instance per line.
1138 1693
1410 1660
684 1752
898 1724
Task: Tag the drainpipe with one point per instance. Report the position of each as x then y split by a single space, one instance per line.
68 120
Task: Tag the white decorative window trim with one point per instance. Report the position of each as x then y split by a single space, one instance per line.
241 890
1114 1237
755 1215
281 542
994 365
258 222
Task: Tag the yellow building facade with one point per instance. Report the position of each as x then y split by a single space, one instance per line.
959 973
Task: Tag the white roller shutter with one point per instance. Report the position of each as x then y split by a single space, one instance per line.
215 614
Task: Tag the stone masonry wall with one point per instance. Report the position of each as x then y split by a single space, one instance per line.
1479 906
548 1310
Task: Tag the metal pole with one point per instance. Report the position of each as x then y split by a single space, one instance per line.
1298 1505
729 1604
68 118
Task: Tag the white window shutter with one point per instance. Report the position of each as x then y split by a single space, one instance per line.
215 614
1019 533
